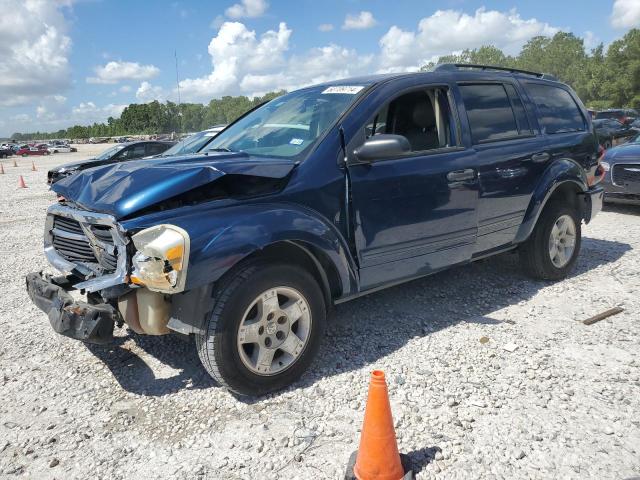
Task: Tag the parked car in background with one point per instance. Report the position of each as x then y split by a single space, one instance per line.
622 179
116 154
636 124
612 132
27 150
61 148
623 115
194 143
306 202
5 152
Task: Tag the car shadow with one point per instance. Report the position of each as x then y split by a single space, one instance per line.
625 209
394 316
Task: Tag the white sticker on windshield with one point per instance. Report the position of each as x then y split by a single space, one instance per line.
296 141
348 89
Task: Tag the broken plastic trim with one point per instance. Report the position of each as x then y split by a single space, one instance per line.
94 280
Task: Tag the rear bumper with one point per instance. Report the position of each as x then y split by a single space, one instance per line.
74 319
593 199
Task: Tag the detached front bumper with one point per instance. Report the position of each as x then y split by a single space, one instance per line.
74 319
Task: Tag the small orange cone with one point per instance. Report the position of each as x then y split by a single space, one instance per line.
15 164
377 457
21 183
33 166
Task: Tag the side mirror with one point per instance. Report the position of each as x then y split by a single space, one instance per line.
380 147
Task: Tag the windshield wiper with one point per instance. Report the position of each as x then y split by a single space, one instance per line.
220 149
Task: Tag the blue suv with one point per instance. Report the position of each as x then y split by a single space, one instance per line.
315 198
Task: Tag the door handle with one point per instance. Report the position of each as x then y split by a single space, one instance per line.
461 175
540 157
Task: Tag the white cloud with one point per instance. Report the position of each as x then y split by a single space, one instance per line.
247 8
125 89
448 31
625 14
115 71
147 93
361 21
34 50
325 27
89 112
591 40
236 51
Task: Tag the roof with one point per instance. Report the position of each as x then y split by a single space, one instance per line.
444 72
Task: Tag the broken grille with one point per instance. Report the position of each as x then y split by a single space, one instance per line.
88 244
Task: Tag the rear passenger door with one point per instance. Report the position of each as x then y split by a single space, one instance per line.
511 156
563 121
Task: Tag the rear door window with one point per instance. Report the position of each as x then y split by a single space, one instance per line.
559 113
490 112
155 148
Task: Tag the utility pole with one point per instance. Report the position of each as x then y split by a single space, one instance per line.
175 54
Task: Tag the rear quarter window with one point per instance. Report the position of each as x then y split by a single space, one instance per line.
559 112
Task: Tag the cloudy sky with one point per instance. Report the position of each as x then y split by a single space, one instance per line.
64 62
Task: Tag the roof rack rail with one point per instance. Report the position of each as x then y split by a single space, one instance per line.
456 66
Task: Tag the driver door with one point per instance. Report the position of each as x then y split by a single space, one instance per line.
415 213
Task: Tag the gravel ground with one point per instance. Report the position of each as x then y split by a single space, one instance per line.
491 375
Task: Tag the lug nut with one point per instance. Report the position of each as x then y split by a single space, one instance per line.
260 330
279 334
267 342
282 319
270 316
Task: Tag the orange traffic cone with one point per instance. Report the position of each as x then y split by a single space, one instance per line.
21 183
33 166
377 457
1 169
15 164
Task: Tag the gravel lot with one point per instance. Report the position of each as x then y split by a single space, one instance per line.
542 396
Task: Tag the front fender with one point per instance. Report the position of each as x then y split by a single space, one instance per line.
222 237
560 172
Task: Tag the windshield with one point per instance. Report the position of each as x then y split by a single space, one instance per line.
190 144
107 154
287 126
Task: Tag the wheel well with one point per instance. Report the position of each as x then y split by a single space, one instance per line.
568 192
308 257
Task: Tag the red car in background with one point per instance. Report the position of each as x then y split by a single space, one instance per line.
27 150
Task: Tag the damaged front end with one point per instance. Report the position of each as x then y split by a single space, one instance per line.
132 276
74 319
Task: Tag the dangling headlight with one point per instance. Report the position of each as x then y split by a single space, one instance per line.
160 264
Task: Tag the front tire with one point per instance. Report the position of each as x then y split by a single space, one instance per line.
552 250
266 326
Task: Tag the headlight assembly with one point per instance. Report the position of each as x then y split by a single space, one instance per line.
161 260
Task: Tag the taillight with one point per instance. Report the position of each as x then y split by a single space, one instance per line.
599 171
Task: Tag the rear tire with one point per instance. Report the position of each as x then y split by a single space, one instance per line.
274 304
549 254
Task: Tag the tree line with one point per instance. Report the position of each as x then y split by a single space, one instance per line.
602 78
156 118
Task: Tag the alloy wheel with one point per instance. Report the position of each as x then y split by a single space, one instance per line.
274 331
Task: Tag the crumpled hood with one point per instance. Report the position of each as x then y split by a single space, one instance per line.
125 188
628 152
